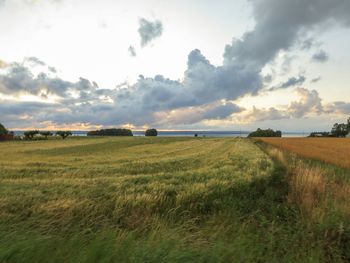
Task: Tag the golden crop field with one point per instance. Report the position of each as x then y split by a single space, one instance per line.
331 150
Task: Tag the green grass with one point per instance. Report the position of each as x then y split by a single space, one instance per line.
151 200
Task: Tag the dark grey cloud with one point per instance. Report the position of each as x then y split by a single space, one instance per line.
35 61
188 116
291 82
26 114
220 112
149 30
52 69
132 51
315 80
209 83
279 23
321 56
20 80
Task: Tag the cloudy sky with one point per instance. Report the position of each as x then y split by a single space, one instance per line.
174 64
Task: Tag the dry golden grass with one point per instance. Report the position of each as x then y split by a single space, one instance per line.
331 150
318 191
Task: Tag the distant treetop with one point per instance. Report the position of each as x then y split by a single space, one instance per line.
64 134
110 132
151 132
265 133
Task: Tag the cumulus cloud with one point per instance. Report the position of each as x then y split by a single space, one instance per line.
149 30
264 114
321 56
19 79
338 107
309 103
84 101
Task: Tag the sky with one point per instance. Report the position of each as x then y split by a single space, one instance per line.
174 64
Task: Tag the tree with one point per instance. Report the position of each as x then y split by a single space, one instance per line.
265 133
3 130
63 134
348 125
340 130
151 132
46 134
29 135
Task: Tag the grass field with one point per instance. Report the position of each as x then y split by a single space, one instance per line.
332 150
160 200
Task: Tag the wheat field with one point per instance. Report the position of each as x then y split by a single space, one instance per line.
331 150
156 200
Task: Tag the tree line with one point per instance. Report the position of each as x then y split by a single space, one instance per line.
338 130
33 134
41 135
120 132
30 135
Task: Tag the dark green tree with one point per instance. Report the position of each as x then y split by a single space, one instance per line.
63 134
151 132
29 135
265 133
340 130
3 130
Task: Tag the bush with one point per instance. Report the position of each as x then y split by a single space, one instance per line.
3 130
265 133
110 132
151 132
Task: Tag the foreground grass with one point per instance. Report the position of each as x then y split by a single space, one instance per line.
320 192
152 200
